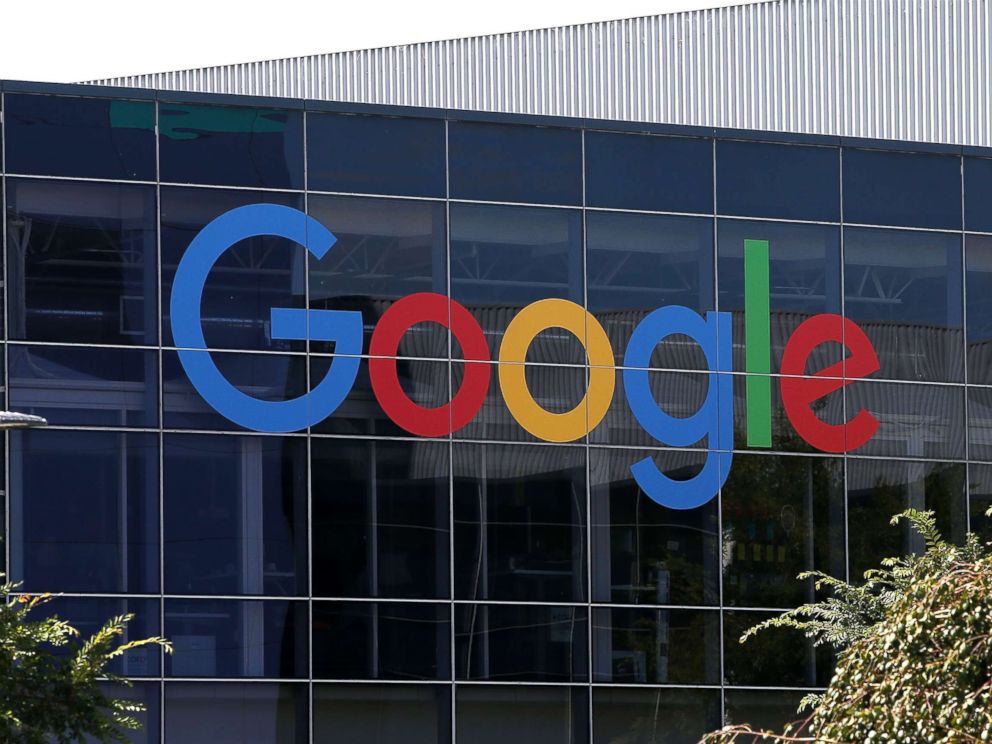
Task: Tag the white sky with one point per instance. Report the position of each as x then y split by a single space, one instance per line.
76 40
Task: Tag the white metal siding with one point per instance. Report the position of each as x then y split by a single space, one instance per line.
895 69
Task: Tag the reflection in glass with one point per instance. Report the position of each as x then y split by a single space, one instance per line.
88 386
386 249
637 263
233 712
412 714
655 646
520 522
645 171
978 260
82 137
781 515
773 658
879 489
246 282
513 163
360 154
803 279
643 553
231 638
82 262
84 511
763 709
977 194
233 145
904 290
235 513
381 640
148 694
526 643
380 518
762 179
660 715
980 496
521 714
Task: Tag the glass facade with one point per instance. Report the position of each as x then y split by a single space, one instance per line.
352 582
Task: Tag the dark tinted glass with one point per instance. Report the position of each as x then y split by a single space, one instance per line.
381 640
81 262
89 614
520 522
263 376
776 658
503 258
524 715
979 424
230 638
904 290
375 154
978 262
804 273
385 250
781 515
233 713
412 714
235 513
978 194
527 643
85 137
380 518
643 553
84 511
879 489
653 715
231 145
763 709
148 694
636 263
648 646
894 188
980 494
246 282
639 171
85 385
759 179
515 163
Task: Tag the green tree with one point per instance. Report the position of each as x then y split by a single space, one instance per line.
50 678
915 649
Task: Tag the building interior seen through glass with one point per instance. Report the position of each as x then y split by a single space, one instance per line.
354 582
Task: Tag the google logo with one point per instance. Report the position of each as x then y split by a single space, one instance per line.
713 421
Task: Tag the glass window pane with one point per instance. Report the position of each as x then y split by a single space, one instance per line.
88 386
895 188
803 278
233 713
781 515
503 258
637 263
904 290
977 194
380 518
82 263
980 494
764 709
520 522
235 515
231 638
360 154
148 694
84 511
761 179
386 249
655 646
879 489
381 640
641 171
526 643
514 163
643 553
356 714
779 657
978 258
231 145
83 137
979 423
248 280
653 715
521 714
